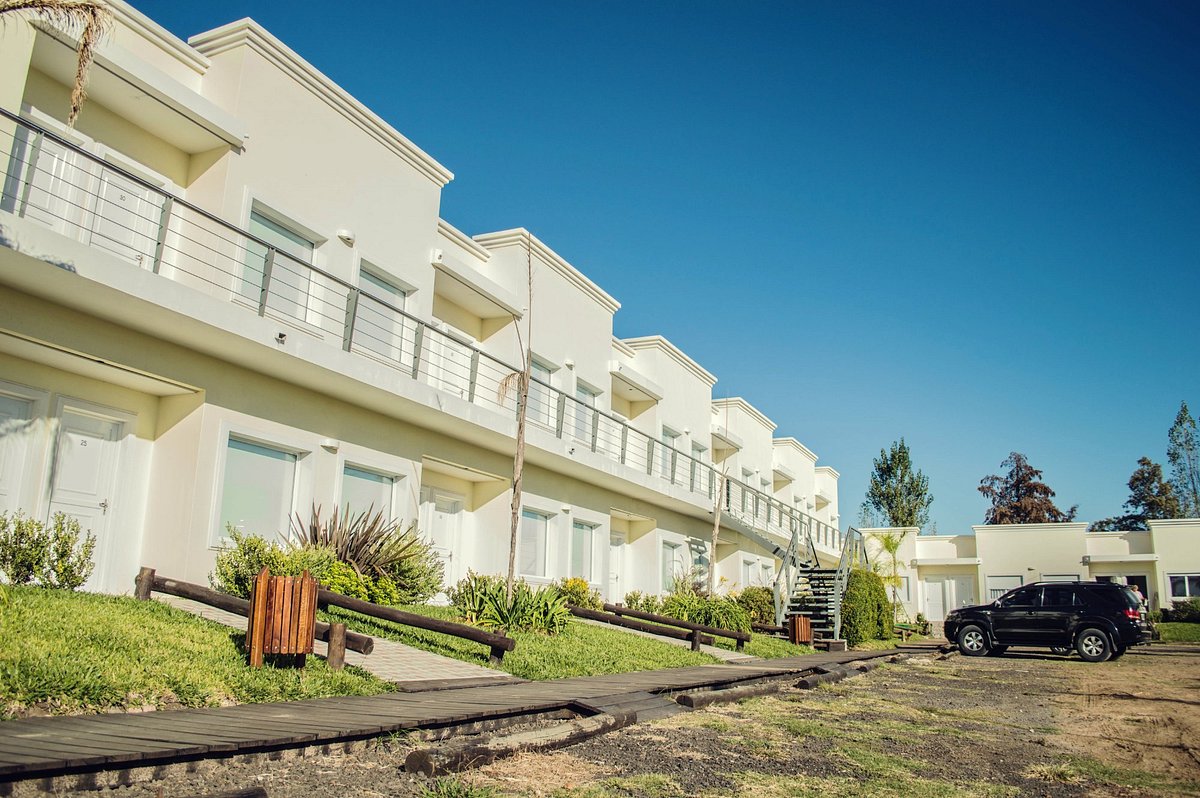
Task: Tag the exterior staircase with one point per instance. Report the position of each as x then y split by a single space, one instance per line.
817 592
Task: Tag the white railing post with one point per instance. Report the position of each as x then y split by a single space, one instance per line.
164 223
351 315
265 290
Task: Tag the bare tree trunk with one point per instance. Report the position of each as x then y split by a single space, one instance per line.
718 505
526 348
518 475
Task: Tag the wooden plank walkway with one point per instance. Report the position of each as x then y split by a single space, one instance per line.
41 747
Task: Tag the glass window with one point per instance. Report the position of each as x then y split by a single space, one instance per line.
669 438
1029 597
671 563
364 490
1058 597
585 403
531 545
581 550
541 398
289 279
765 573
377 327
258 489
1184 585
747 573
903 589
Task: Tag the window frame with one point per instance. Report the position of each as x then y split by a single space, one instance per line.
529 512
397 480
287 444
589 549
1186 577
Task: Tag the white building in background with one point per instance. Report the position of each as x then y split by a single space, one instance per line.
227 296
941 572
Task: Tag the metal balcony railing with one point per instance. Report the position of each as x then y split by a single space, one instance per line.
74 192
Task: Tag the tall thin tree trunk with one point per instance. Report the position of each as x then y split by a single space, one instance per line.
718 505
526 347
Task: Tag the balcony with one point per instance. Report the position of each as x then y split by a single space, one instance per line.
52 182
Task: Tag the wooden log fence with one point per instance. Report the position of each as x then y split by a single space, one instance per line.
695 636
741 638
498 643
148 582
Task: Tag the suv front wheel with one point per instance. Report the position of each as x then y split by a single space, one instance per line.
972 641
1093 645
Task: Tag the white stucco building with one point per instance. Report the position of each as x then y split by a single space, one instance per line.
941 572
206 318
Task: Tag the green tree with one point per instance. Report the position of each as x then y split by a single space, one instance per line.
90 16
1020 497
1150 497
897 494
1183 454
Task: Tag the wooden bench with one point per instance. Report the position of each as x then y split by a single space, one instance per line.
283 615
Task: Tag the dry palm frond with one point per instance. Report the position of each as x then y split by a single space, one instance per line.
368 542
508 383
90 15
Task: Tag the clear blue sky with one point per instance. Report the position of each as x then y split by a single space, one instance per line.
974 225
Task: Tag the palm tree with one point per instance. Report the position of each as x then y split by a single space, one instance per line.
889 546
91 15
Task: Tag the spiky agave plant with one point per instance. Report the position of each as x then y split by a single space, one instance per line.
368 542
92 16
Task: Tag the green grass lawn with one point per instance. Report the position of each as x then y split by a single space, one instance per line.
70 652
582 650
1179 632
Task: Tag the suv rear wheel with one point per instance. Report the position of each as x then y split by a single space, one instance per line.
972 641
1093 645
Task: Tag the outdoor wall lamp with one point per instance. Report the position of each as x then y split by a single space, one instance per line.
281 338
347 236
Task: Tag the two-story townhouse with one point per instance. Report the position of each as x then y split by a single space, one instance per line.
228 297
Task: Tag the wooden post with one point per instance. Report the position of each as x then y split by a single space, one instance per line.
695 638
496 656
337 646
258 617
143 584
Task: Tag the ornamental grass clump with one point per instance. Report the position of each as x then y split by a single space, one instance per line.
482 599
722 612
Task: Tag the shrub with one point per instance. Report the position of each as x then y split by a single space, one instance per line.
759 601
866 610
723 612
482 599
237 566
419 576
58 557
646 602
1186 611
576 590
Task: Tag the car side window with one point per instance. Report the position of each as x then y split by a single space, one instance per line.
1030 597
1058 597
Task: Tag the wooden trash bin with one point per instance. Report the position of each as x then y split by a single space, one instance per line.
800 630
283 616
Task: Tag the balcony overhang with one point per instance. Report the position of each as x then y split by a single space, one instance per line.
89 366
946 561
782 474
1094 559
146 96
462 472
469 289
724 439
631 385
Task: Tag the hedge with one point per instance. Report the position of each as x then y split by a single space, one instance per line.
866 611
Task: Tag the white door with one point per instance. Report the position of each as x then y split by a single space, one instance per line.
964 591
52 192
84 472
616 568
935 599
15 421
125 219
441 520
449 360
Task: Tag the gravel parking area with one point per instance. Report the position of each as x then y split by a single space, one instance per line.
1027 724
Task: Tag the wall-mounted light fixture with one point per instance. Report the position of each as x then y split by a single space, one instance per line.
347 236
281 338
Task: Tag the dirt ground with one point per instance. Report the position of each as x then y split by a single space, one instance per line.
1027 724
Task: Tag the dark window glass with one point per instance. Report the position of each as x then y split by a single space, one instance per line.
1028 597
1058 597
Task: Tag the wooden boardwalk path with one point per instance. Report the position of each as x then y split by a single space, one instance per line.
42 747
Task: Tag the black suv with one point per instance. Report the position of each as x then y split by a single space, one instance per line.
1099 619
